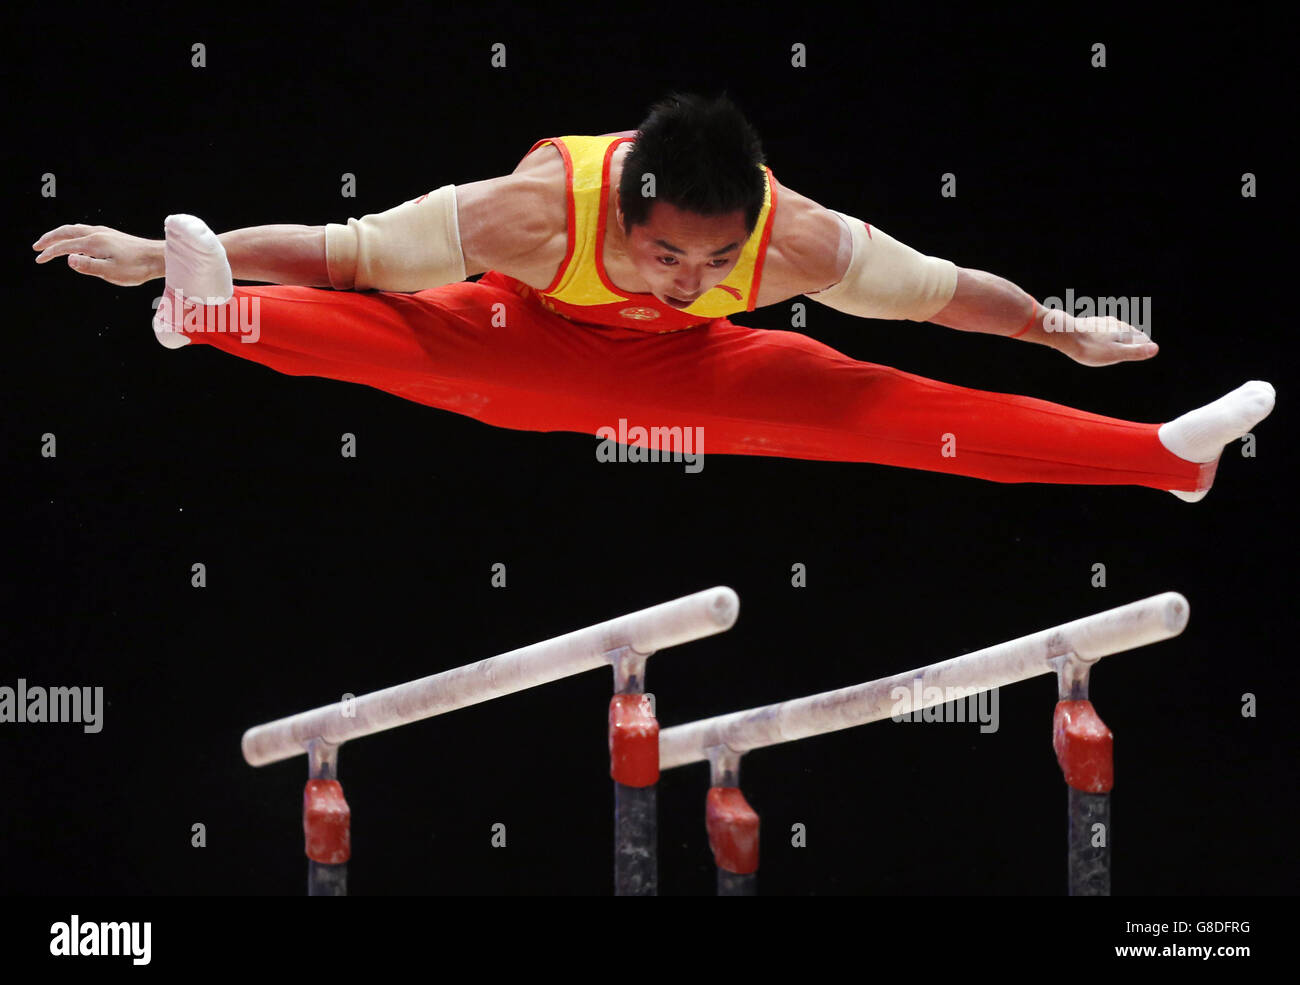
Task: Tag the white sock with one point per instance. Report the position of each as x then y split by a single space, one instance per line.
197 267
1200 435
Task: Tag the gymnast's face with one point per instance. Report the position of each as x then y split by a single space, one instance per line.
683 254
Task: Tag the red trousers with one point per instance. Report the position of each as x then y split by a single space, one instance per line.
482 350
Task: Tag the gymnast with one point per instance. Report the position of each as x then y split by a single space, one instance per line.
610 266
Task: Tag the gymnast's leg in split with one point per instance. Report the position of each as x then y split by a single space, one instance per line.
481 350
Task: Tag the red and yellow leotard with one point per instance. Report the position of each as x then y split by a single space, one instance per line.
583 292
582 356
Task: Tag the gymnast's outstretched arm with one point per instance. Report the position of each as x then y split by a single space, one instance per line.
441 237
876 276
275 254
984 302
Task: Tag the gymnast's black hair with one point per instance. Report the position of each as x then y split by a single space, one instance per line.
705 158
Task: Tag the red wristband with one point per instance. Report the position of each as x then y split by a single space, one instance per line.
1029 324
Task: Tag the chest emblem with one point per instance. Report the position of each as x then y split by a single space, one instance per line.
639 313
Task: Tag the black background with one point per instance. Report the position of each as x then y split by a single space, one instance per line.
328 575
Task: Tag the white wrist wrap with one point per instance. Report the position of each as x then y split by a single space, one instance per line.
414 246
888 279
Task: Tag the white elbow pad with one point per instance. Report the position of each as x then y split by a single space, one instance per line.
888 279
414 246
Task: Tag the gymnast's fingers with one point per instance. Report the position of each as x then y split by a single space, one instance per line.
1129 351
64 232
89 265
91 244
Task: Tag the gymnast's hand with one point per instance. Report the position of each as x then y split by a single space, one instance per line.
99 251
1099 341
